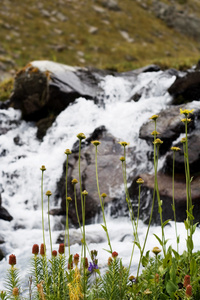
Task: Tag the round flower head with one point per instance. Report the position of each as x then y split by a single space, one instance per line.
61 249
35 249
157 142
42 249
183 140
74 181
84 193
132 278
76 259
186 112
96 143
186 120
43 168
54 253
147 292
154 117
124 144
69 199
68 152
12 260
15 291
48 193
114 254
155 132
175 149
188 292
156 250
122 158
103 195
140 181
81 136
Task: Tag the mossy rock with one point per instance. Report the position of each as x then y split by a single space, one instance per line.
6 88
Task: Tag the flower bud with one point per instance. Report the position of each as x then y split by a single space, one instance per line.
68 152
43 168
42 249
12 260
188 292
15 291
35 249
48 193
81 136
61 249
76 259
114 254
74 181
96 143
186 280
156 250
54 253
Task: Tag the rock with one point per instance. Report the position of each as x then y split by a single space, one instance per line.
186 88
93 30
169 125
4 214
75 237
165 190
111 4
109 173
126 36
43 125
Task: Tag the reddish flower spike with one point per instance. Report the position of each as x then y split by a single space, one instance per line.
76 259
186 280
35 249
42 249
54 253
188 292
12 260
114 254
61 249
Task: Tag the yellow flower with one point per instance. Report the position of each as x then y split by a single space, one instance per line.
175 148
140 181
74 181
15 291
84 193
48 193
81 136
68 152
157 141
185 120
43 168
155 132
124 144
69 199
183 140
147 292
103 195
122 158
186 112
154 117
156 250
96 143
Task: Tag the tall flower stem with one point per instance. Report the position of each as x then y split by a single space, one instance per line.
96 143
48 193
84 193
42 169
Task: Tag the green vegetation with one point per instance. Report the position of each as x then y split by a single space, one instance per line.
166 276
59 31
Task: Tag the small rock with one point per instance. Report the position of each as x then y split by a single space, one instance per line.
126 36
93 30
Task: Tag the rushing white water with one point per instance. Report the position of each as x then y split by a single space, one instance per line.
20 167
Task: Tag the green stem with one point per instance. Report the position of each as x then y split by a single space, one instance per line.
67 207
49 225
173 201
42 209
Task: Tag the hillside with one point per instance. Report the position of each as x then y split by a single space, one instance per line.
120 35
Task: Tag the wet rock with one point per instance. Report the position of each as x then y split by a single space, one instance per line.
75 237
4 214
186 88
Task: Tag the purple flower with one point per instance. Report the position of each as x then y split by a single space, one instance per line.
92 267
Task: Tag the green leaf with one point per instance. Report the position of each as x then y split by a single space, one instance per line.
165 223
193 266
104 227
194 227
107 250
138 244
171 288
190 244
186 224
161 243
191 178
189 215
145 261
176 255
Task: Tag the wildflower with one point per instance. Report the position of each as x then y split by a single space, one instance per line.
186 120
96 143
43 168
186 280
147 292
186 112
183 140
15 291
68 152
35 249
114 254
154 117
103 195
140 181
85 262
84 193
188 292
61 249
12 260
92 267
48 193
54 253
157 277
132 279
156 250
175 148
124 144
122 158
69 199
157 142
110 261
155 132
81 136
42 249
76 259
74 181
40 291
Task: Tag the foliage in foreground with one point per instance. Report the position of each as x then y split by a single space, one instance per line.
66 276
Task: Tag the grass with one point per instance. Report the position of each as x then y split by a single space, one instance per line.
26 35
